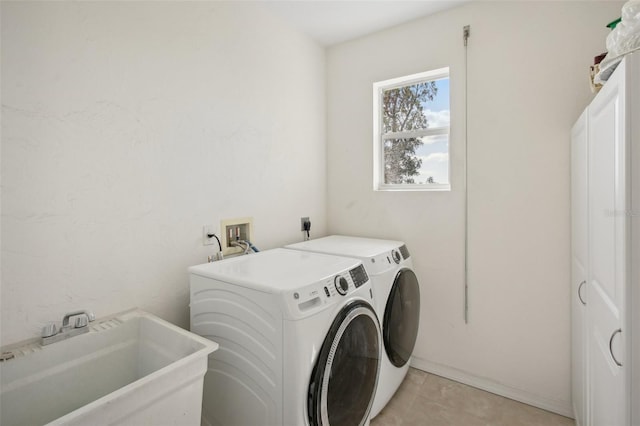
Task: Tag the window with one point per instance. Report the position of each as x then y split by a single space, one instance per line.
411 132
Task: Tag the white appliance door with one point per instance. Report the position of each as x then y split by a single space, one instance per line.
402 318
344 379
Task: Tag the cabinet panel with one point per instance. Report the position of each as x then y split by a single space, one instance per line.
578 342
579 259
607 254
603 138
633 93
607 400
605 251
579 182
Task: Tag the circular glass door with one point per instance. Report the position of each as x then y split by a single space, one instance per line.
402 318
345 376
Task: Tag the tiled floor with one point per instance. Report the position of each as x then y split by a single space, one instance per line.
428 400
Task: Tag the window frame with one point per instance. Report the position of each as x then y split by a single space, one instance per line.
379 137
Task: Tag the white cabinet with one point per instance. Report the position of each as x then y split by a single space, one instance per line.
604 253
607 236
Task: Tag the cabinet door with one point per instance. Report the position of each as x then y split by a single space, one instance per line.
579 216
633 348
607 254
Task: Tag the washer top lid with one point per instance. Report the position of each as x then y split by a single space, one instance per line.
277 270
362 248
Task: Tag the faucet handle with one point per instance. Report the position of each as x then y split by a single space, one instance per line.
65 321
81 321
49 330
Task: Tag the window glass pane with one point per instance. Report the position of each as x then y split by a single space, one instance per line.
417 160
411 125
416 107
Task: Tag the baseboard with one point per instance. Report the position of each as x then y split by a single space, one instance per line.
555 406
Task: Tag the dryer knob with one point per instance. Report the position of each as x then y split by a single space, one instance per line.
342 285
396 256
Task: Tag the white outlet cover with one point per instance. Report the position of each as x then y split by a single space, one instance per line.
206 230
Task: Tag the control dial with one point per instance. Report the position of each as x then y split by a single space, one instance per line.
396 256
342 285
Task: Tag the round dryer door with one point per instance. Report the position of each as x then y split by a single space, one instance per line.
401 318
344 379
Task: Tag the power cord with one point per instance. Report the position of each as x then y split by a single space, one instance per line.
217 239
218 255
306 226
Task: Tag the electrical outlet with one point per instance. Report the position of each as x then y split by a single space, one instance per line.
206 231
302 221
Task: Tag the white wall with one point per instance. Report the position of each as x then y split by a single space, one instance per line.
528 67
126 127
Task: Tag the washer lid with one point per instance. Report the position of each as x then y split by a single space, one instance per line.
362 248
277 270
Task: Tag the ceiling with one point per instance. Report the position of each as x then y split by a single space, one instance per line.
335 21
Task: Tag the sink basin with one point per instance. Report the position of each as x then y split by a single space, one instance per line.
129 369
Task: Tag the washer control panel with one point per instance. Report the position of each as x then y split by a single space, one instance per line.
341 284
397 257
330 290
359 276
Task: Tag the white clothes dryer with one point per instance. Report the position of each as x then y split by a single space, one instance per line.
397 297
299 339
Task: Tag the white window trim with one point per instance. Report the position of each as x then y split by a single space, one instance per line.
379 138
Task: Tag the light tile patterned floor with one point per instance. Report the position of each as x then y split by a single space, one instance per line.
428 400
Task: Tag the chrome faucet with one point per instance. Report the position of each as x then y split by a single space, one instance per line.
50 334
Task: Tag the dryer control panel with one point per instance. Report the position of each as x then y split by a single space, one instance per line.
405 252
388 260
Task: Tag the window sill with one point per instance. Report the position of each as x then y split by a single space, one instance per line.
413 188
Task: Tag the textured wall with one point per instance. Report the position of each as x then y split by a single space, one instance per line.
126 127
528 82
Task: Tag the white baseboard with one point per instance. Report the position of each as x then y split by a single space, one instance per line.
561 407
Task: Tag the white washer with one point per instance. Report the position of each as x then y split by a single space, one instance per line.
397 298
299 339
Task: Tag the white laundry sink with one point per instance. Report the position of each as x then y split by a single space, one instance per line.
130 369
